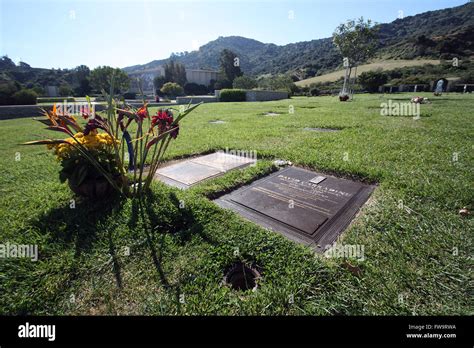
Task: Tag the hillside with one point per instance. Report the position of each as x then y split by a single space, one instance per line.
431 34
384 65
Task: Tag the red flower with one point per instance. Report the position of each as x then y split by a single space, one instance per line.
93 124
142 113
164 120
86 112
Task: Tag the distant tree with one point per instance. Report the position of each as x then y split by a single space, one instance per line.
212 85
278 83
81 78
158 82
102 76
467 77
65 91
222 84
25 97
6 63
172 89
38 90
230 65
24 65
180 77
356 41
314 89
192 88
244 82
175 72
310 72
7 89
371 80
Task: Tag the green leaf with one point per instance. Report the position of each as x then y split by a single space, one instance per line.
45 142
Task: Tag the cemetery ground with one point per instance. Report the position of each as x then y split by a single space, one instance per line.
417 246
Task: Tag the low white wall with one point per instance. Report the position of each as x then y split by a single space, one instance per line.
196 99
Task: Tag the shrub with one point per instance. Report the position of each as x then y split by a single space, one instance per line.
222 84
371 80
314 91
244 82
7 89
192 88
304 90
172 89
467 77
39 90
232 95
65 91
278 83
25 97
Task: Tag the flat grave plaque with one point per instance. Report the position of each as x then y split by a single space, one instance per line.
223 161
187 173
311 129
305 206
192 171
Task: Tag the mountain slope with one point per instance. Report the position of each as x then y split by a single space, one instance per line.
383 65
429 34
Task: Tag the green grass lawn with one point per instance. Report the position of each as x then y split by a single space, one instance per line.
417 246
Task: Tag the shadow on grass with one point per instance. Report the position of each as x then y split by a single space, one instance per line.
151 218
173 217
76 222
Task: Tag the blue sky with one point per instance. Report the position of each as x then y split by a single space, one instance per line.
119 33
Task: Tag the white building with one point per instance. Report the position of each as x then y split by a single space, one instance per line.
201 77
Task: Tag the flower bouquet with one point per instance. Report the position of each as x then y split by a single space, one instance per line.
102 155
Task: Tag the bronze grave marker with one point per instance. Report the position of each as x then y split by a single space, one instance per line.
308 207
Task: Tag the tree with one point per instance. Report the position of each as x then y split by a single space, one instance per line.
175 72
38 90
65 90
6 63
25 97
81 79
356 41
371 80
172 89
222 84
244 82
278 83
24 65
101 77
230 65
7 90
158 82
192 88
180 77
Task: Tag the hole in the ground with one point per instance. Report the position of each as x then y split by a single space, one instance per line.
242 277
